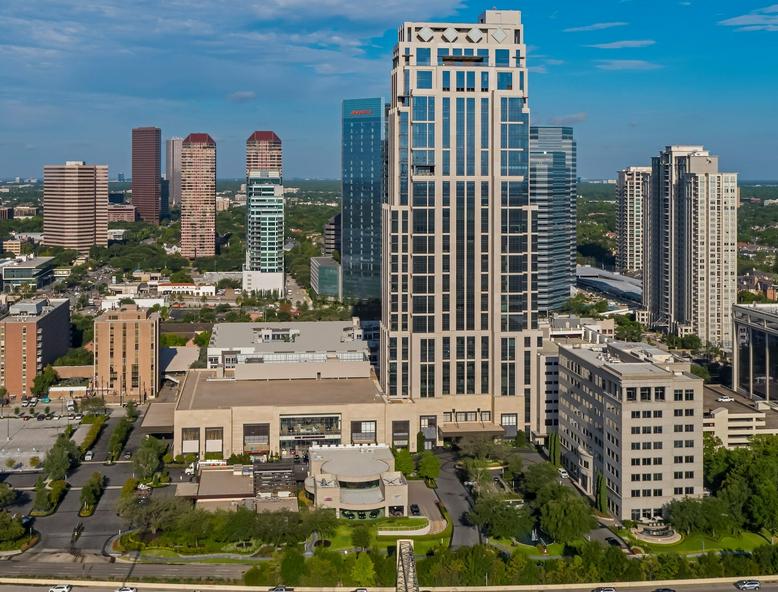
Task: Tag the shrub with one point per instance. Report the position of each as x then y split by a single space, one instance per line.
239 459
93 433
35 461
119 437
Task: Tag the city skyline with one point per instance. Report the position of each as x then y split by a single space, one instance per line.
629 58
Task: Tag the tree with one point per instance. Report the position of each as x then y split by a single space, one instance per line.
61 458
292 566
429 465
360 537
538 476
7 495
10 463
403 461
146 462
567 518
363 572
554 452
11 528
92 490
602 494
44 381
497 518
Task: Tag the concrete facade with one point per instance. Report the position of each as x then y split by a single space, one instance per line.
690 245
75 205
632 187
198 196
734 419
126 354
33 335
632 414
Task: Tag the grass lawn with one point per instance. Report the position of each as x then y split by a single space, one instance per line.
342 538
697 543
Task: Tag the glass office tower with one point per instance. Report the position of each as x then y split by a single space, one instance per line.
363 188
553 180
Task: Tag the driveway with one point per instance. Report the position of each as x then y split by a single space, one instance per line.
425 498
456 500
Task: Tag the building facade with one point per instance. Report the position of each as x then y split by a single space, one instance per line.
173 171
630 420
632 186
690 245
755 355
553 170
332 236
146 173
28 272
75 205
198 196
459 321
363 189
264 267
33 335
122 213
325 277
126 354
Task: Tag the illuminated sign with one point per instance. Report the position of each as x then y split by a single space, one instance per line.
362 112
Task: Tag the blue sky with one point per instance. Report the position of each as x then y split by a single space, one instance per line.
629 75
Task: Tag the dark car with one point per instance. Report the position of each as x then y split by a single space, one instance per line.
40 417
664 590
415 510
613 541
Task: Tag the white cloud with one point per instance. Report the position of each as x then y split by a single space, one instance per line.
570 119
629 43
538 69
596 27
242 96
627 65
763 19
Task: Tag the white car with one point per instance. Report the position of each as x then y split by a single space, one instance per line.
126 589
563 474
725 399
89 455
748 584
61 588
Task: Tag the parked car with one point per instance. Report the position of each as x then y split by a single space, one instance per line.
281 589
748 584
78 417
33 401
415 510
40 417
563 474
606 589
725 399
61 588
89 455
25 402
614 542
126 589
128 455
664 590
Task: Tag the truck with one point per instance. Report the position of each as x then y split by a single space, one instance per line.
71 406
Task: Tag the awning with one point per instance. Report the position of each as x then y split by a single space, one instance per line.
467 428
158 418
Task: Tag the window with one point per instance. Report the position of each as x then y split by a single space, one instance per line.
635 493
446 83
688 427
501 57
423 56
424 79
677 395
678 491
657 493
659 393
635 478
677 412
635 430
486 416
678 460
678 475
632 394
645 393
635 415
504 81
689 474
688 395
689 490
689 459
678 444
658 414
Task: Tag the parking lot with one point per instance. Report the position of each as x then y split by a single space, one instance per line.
20 439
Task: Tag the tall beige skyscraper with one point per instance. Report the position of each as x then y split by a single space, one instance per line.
173 170
198 196
633 185
75 205
459 324
690 245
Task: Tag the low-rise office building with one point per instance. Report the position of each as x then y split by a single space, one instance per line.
325 277
632 414
734 419
27 271
287 350
35 333
356 481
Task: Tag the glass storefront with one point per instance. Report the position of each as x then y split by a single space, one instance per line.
302 431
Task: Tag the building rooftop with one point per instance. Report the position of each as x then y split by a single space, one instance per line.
618 362
28 262
353 460
199 138
315 336
21 311
201 391
221 483
608 282
326 262
740 404
263 136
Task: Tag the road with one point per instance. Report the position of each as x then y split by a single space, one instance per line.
454 497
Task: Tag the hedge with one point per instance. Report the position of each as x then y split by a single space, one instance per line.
92 434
